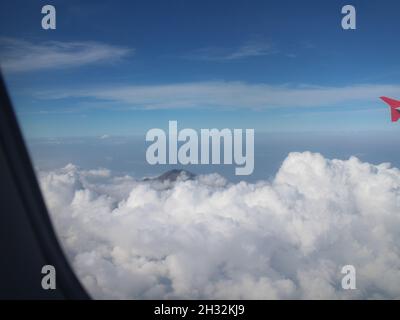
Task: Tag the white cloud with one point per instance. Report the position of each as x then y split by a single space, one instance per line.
247 50
230 95
21 56
207 238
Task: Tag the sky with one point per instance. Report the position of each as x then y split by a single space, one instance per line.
123 67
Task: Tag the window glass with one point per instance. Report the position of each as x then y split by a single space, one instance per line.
214 149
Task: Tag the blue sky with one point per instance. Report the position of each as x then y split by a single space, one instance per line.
122 67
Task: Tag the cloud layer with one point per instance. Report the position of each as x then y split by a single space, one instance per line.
207 238
247 50
21 56
229 95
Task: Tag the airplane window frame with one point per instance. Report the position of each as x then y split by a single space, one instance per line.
35 211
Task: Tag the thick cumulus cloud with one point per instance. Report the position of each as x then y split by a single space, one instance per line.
208 238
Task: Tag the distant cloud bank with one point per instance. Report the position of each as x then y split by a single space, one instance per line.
207 238
229 95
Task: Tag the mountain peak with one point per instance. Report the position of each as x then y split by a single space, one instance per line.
175 174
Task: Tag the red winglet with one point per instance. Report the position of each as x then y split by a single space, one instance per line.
394 108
